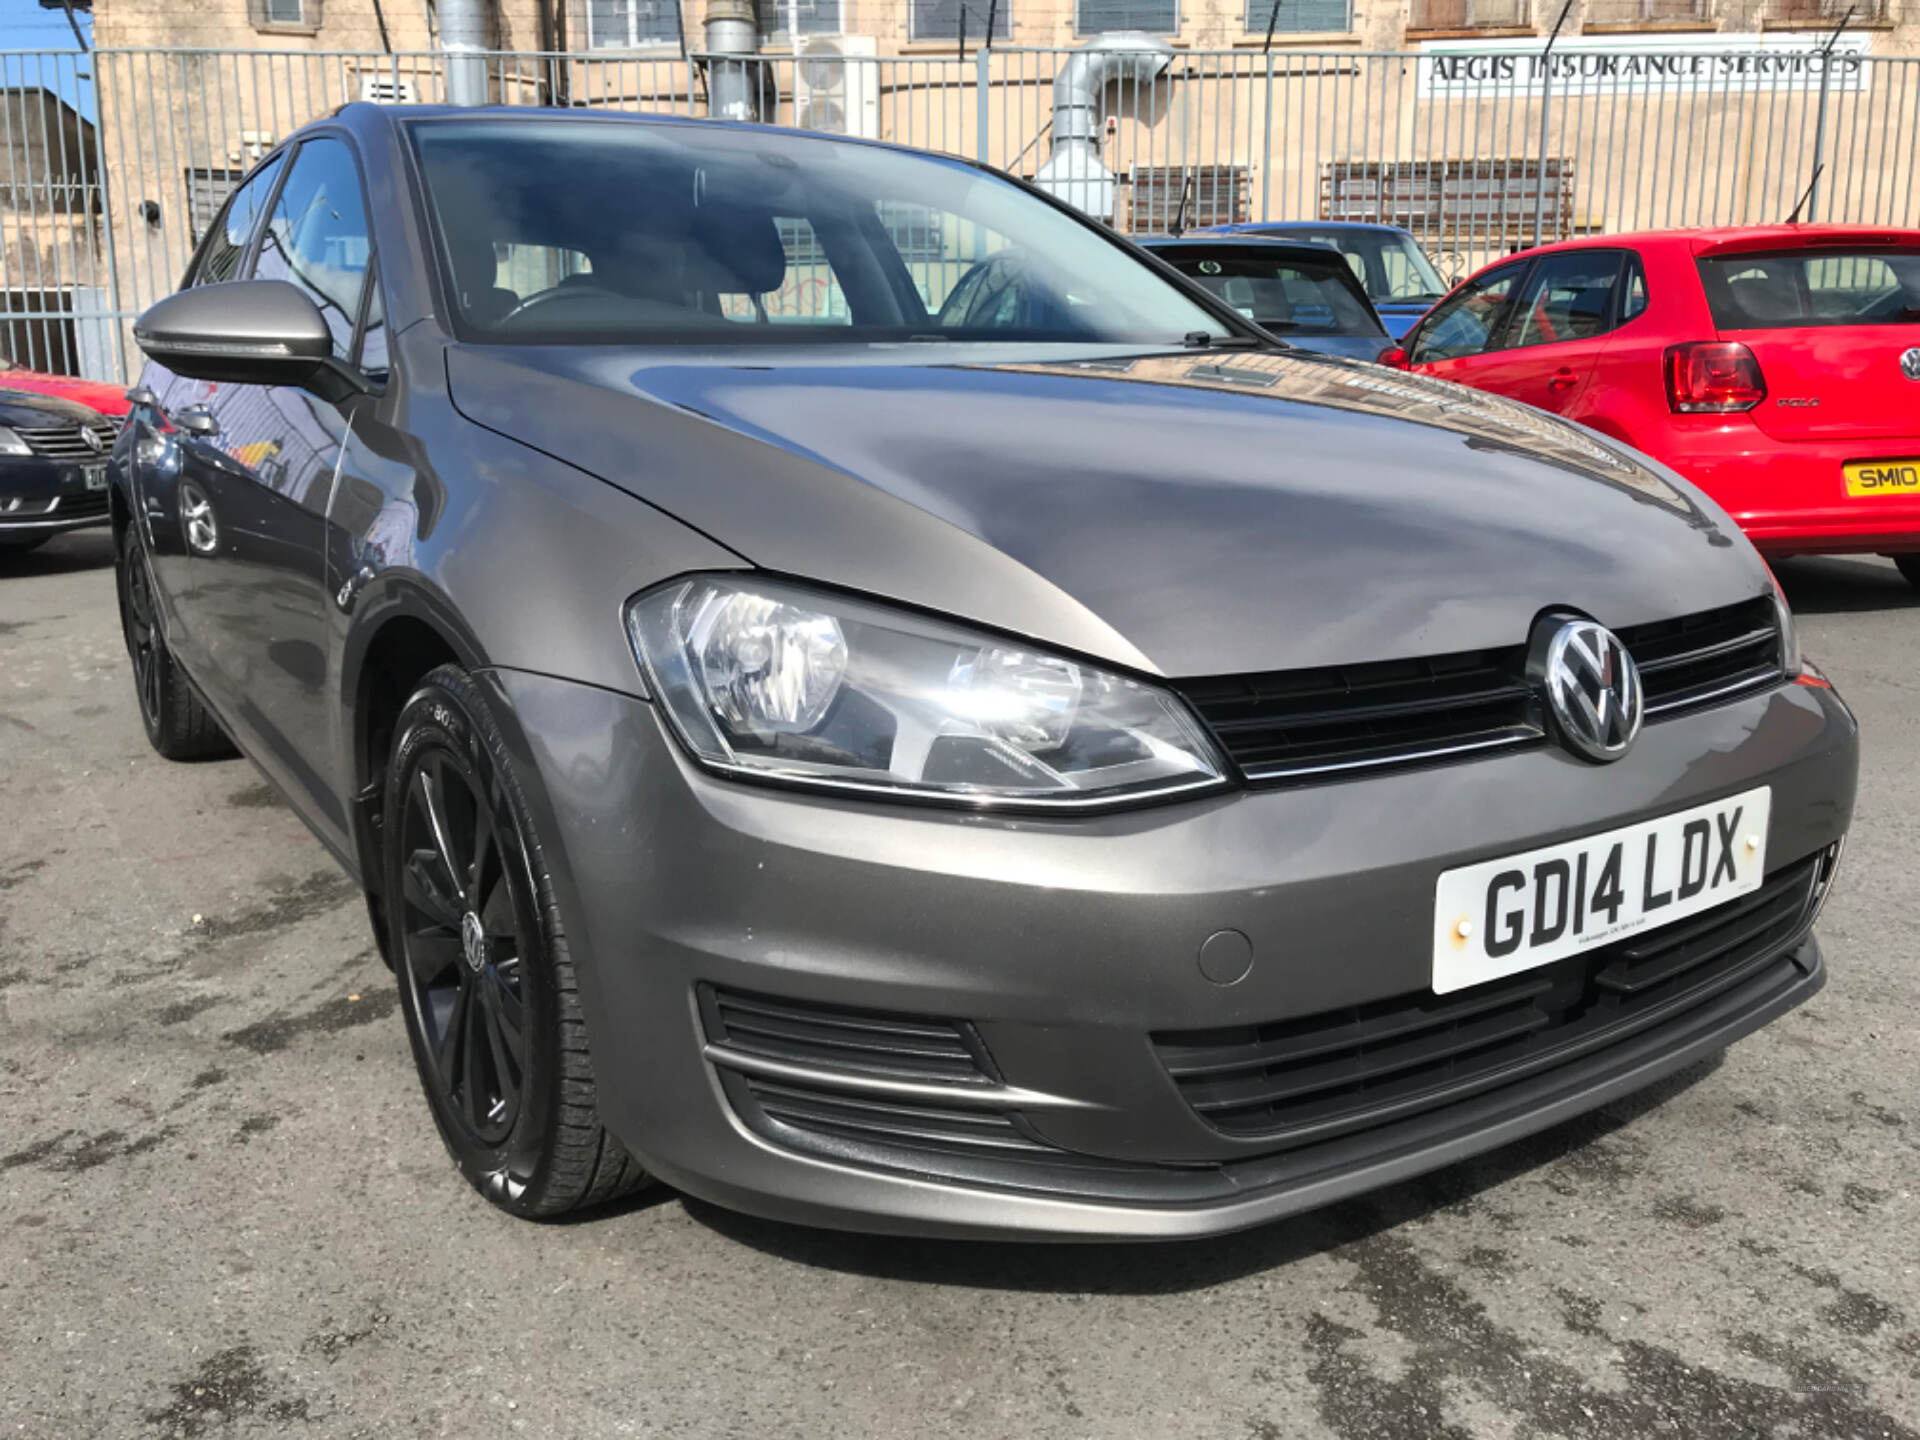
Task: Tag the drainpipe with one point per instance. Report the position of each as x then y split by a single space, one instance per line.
732 89
463 41
1074 172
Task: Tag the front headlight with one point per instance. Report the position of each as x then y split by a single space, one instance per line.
758 677
12 444
1789 633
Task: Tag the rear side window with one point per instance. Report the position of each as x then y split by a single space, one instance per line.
228 243
1569 296
1633 301
1804 289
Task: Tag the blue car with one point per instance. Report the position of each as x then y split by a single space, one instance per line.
1305 294
1399 279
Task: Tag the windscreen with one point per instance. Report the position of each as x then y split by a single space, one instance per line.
1284 295
560 231
1803 289
1389 265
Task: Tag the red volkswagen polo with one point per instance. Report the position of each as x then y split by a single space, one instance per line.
1777 367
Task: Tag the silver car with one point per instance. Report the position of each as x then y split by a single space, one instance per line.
1077 767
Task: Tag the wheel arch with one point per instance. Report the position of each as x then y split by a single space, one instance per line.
402 632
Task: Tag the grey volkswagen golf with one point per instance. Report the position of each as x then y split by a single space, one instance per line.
1077 769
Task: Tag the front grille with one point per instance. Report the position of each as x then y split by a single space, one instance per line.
87 502
1303 1080
863 1042
1708 658
1304 725
66 442
1311 723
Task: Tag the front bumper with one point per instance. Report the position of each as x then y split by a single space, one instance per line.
40 496
1062 947
1791 497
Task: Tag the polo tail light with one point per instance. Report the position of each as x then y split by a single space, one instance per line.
1713 377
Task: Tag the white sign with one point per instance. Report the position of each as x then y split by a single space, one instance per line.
1640 64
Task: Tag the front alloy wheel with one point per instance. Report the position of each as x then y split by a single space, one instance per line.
486 980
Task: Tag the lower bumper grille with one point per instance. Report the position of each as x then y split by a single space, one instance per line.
1299 1081
866 1043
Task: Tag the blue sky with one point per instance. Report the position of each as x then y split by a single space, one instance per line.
25 26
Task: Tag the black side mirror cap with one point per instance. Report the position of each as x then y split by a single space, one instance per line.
260 332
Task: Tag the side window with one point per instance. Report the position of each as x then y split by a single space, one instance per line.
317 236
228 243
1569 296
1469 321
1633 301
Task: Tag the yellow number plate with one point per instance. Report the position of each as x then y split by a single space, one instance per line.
1882 477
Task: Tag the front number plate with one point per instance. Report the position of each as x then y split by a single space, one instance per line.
94 477
1504 916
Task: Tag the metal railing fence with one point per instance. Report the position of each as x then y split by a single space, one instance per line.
116 161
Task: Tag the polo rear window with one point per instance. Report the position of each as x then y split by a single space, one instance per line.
1802 289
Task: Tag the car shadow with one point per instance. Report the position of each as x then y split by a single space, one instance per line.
1844 584
62 555
1103 1268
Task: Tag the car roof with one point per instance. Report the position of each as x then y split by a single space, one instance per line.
1702 240
1253 244
1257 225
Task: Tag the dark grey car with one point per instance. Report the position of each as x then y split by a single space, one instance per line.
1079 769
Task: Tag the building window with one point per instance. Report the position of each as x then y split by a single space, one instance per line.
1629 13
940 19
284 14
1193 195
1299 16
1470 15
783 19
1100 17
1820 13
631 24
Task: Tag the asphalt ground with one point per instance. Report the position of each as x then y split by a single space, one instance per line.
224 1210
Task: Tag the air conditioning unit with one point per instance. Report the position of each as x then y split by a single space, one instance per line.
387 89
836 85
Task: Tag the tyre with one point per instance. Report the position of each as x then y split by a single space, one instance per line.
487 987
178 725
1909 566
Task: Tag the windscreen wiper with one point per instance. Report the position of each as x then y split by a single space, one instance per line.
1201 340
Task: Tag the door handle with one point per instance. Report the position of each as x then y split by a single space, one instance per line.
1563 379
197 420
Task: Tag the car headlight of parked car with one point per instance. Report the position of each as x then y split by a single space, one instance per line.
761 678
12 444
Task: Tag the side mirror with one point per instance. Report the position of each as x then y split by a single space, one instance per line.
260 332
1394 358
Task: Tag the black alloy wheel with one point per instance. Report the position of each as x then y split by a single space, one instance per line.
464 930
142 631
487 986
178 725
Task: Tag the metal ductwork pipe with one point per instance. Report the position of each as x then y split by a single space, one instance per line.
733 86
463 40
1074 172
